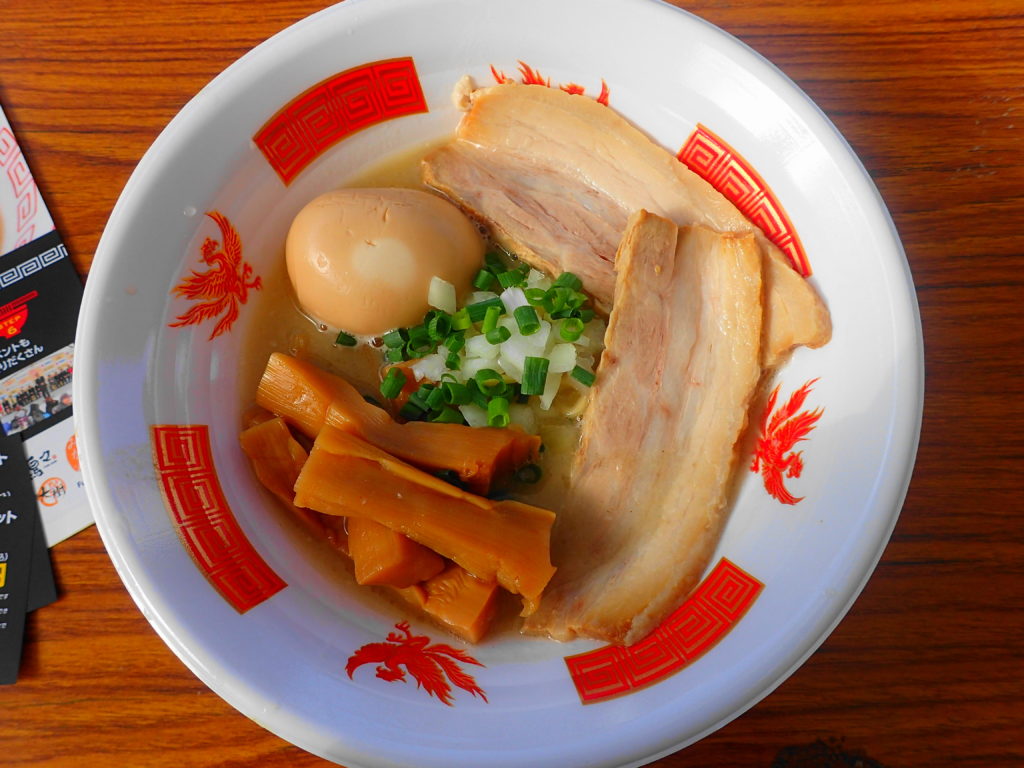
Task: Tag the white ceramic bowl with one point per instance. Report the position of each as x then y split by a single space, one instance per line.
205 555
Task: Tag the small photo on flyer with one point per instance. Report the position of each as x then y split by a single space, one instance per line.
37 394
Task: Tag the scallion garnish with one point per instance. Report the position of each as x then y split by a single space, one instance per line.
535 296
484 280
455 341
435 399
527 320
494 262
410 411
447 415
418 337
479 310
456 393
461 320
439 326
345 340
490 321
535 373
571 329
569 280
497 412
419 397
499 335
393 383
510 278
583 376
395 339
489 380
501 362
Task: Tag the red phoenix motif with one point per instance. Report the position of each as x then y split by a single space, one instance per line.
530 76
221 288
781 430
435 668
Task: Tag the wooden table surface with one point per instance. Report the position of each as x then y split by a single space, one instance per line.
925 670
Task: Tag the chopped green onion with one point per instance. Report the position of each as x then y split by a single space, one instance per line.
583 376
494 262
511 278
479 310
527 320
395 339
418 335
448 415
535 296
461 320
439 326
419 343
456 393
412 352
455 341
554 299
411 412
497 412
498 335
478 395
435 399
490 319
394 355
529 473
453 362
586 315
488 380
419 397
568 280
484 280
572 329
393 383
535 373
345 340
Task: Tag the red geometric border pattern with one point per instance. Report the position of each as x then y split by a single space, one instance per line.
724 168
22 185
212 536
713 609
338 107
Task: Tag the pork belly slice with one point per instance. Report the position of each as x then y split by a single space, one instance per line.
557 175
651 478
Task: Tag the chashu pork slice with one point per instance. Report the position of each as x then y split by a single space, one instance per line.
651 478
556 176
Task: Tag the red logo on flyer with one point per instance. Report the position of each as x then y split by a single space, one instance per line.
14 314
71 451
51 491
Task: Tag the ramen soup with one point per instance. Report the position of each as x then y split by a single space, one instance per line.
280 325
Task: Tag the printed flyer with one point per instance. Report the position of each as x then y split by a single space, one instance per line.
40 293
42 498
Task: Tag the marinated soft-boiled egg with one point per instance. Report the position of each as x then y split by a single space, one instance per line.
362 260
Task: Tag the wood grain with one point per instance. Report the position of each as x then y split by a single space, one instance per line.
925 670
